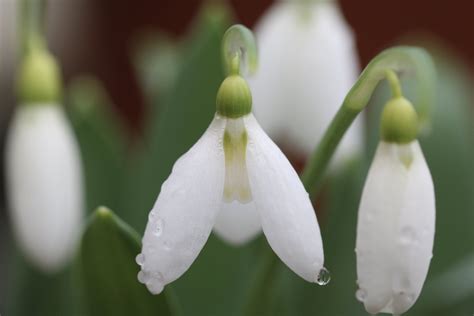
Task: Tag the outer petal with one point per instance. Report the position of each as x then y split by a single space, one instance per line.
287 216
184 213
237 223
44 184
395 229
308 64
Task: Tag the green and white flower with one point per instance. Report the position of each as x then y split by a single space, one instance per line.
396 221
43 168
237 181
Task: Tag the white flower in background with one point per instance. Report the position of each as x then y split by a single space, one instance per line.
43 169
396 221
233 168
308 65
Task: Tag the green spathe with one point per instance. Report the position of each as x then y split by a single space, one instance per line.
39 79
234 99
399 122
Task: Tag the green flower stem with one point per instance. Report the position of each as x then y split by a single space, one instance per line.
404 60
32 28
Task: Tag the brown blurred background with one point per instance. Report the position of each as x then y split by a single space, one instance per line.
96 36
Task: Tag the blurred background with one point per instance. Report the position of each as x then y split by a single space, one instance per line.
114 40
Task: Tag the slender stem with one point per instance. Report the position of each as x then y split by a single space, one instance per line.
32 12
405 60
314 169
394 83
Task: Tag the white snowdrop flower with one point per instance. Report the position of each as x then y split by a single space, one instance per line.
233 168
43 168
308 65
396 221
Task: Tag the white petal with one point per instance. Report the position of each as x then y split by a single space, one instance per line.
44 184
237 223
182 218
287 216
307 65
395 229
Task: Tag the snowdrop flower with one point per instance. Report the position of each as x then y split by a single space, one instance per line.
396 221
308 65
234 167
43 168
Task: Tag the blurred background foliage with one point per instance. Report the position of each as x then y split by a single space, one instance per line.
128 156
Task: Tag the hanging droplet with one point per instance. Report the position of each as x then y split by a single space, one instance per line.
142 277
140 259
324 276
361 295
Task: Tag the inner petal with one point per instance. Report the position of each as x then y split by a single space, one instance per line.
236 185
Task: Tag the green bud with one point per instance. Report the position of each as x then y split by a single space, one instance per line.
234 98
399 123
39 79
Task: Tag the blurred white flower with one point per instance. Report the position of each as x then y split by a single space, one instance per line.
44 184
308 64
395 229
234 168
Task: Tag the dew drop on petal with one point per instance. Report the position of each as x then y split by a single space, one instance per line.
140 259
408 235
167 245
151 215
324 276
155 283
142 277
158 229
361 295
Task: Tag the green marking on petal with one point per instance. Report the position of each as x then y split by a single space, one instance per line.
236 185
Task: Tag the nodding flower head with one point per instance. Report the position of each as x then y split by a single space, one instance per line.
237 181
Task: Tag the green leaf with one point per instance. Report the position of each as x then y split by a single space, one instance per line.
31 292
100 136
108 251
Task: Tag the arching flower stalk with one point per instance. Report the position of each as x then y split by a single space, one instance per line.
309 63
396 221
43 167
234 167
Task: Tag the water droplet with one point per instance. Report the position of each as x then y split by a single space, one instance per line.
142 277
140 259
361 295
324 276
155 282
151 215
167 245
159 225
408 235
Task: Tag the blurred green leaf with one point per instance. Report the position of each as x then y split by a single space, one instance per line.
108 251
100 135
31 292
